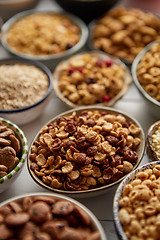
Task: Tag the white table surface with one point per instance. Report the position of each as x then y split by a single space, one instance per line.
132 103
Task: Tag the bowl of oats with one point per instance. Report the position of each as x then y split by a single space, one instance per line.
91 78
85 151
136 204
146 73
153 141
123 32
44 36
48 216
13 152
25 89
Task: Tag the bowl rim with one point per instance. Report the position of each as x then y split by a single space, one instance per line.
134 74
39 65
90 44
94 219
102 55
94 190
24 145
118 195
8 2
8 24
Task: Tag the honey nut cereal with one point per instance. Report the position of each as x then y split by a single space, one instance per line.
44 217
43 34
148 72
10 150
125 32
90 79
85 150
139 211
21 86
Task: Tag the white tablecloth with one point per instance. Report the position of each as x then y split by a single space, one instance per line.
132 103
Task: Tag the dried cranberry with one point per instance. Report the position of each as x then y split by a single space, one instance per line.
90 80
71 70
80 69
99 63
109 62
106 98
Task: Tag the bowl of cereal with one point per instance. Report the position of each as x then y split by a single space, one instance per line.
25 89
91 78
136 204
13 152
45 36
146 73
153 141
85 151
123 32
48 216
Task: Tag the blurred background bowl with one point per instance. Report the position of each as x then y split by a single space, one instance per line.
93 191
67 64
119 193
152 104
50 60
27 114
87 9
153 141
81 219
7 180
8 8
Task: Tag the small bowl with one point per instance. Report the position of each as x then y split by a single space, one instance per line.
75 218
87 9
152 142
8 179
71 63
74 187
27 114
48 59
10 7
119 193
152 104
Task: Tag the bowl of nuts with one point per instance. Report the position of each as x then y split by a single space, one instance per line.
48 216
44 36
91 78
146 73
123 32
136 204
85 151
152 141
25 89
13 152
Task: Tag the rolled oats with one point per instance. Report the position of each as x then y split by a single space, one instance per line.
87 157
21 86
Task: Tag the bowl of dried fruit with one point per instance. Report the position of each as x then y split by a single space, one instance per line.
153 141
146 73
123 32
48 216
85 151
91 78
13 152
44 36
136 204
25 89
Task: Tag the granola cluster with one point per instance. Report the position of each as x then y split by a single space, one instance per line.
85 150
125 32
43 217
89 79
43 34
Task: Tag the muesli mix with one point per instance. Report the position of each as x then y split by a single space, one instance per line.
85 150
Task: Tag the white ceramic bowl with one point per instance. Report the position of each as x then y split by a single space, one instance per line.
119 193
51 59
7 180
92 191
152 105
94 224
27 114
10 7
99 55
